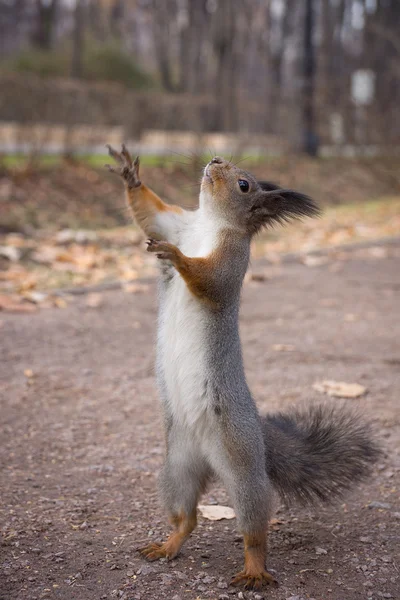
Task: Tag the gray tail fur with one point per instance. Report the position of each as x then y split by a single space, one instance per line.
316 454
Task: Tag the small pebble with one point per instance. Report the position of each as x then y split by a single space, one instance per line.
379 505
222 585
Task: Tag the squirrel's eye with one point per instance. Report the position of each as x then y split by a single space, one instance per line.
244 185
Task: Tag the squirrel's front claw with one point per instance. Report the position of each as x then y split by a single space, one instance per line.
163 250
128 169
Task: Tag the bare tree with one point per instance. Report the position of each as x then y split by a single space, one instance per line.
45 21
310 140
78 39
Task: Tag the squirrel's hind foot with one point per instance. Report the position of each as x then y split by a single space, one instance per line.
169 549
154 551
253 581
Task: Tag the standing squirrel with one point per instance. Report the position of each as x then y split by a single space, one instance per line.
212 425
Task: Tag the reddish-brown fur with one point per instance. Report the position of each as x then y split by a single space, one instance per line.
254 574
183 526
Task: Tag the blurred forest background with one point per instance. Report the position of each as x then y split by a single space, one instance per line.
309 71
308 91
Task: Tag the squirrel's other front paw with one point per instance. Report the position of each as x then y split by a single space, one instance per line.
128 169
163 250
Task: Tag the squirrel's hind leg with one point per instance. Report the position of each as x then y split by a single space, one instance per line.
241 468
183 526
254 575
182 481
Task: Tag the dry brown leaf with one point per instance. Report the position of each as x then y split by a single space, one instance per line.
275 523
350 317
340 389
10 252
216 512
11 304
59 302
36 297
136 288
259 277
314 261
45 254
283 347
94 300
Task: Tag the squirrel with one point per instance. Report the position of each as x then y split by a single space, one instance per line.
212 426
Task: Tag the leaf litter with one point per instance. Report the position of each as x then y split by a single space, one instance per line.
66 236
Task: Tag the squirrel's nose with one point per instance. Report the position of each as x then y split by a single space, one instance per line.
217 160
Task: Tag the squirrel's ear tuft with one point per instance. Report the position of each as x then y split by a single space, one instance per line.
279 206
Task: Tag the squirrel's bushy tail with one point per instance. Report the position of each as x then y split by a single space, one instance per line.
316 454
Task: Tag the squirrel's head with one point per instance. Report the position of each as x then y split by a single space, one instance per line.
237 197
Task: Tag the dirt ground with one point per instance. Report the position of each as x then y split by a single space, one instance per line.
82 441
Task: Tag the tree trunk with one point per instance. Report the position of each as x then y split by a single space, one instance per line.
43 35
310 140
78 35
226 75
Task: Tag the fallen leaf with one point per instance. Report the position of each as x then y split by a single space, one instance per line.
60 302
340 389
259 277
275 523
136 288
10 304
94 300
350 318
378 252
10 252
314 261
36 297
45 254
283 347
216 512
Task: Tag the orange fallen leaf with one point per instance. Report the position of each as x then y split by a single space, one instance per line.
283 347
60 302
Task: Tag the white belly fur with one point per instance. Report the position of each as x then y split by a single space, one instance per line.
182 338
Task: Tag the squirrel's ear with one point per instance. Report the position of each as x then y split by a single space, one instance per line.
274 205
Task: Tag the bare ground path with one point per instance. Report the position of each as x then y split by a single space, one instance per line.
81 442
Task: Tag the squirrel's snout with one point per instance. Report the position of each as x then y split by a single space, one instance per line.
217 160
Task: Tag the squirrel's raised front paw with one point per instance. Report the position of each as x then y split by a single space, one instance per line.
163 250
128 169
